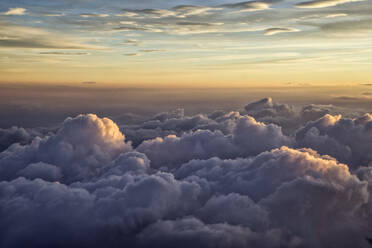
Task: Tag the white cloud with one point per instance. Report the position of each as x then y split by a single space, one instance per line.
323 3
16 11
336 15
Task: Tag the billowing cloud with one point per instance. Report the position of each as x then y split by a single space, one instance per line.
80 148
220 179
13 135
248 137
284 115
348 140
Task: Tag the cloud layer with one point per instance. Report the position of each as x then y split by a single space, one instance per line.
225 179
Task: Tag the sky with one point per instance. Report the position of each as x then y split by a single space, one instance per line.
204 124
186 43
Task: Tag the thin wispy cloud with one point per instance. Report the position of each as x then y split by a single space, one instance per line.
196 31
248 6
87 15
323 3
274 31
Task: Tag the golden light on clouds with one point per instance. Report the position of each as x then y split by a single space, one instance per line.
236 44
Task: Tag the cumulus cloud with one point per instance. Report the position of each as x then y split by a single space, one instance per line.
13 135
80 149
41 170
348 140
286 116
224 179
248 137
226 202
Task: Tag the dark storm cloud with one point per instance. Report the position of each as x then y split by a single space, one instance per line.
222 179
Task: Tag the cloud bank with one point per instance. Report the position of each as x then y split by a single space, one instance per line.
224 179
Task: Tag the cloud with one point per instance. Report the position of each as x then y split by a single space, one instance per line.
132 54
346 139
336 15
286 116
181 11
14 135
152 50
41 170
220 179
185 232
15 36
160 210
64 53
273 31
79 148
198 24
192 10
128 28
133 42
16 11
323 3
248 137
248 6
362 97
87 15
